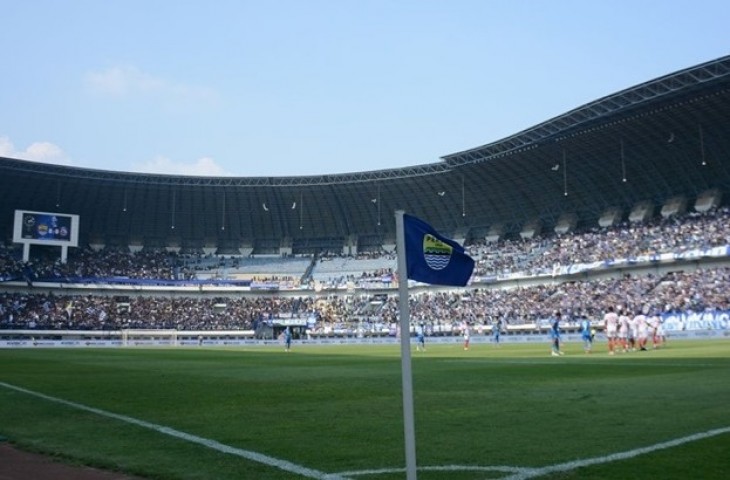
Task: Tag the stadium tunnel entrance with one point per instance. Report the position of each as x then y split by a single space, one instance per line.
274 329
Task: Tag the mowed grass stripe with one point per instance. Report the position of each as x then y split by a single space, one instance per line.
338 408
212 444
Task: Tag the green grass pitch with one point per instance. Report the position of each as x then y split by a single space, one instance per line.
512 412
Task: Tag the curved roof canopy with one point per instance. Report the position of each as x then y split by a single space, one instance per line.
651 142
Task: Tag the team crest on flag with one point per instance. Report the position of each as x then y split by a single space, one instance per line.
436 252
433 258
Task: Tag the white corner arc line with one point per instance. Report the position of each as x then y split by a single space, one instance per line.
564 467
521 473
442 468
212 444
524 473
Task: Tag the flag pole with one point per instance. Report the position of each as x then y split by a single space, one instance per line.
405 349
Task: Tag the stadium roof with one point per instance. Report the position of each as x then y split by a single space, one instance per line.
665 137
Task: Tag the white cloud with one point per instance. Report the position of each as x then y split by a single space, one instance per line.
122 81
45 152
204 167
126 80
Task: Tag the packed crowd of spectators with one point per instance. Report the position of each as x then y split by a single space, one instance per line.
695 291
700 290
86 263
540 255
94 312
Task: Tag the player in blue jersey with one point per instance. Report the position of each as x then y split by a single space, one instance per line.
496 329
287 339
555 335
586 334
421 338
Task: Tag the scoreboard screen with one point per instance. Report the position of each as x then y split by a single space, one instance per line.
43 228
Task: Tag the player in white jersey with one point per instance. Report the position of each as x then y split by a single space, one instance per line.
623 330
660 333
610 320
657 330
642 330
633 333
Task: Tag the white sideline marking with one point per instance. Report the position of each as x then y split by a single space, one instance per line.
444 468
519 473
564 467
524 473
212 444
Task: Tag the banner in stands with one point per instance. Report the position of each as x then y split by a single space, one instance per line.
264 285
695 254
144 282
208 342
691 321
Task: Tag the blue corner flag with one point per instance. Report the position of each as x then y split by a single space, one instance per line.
432 258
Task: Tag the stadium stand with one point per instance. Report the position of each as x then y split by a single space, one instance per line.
640 221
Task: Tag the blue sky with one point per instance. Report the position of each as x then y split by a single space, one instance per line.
308 87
